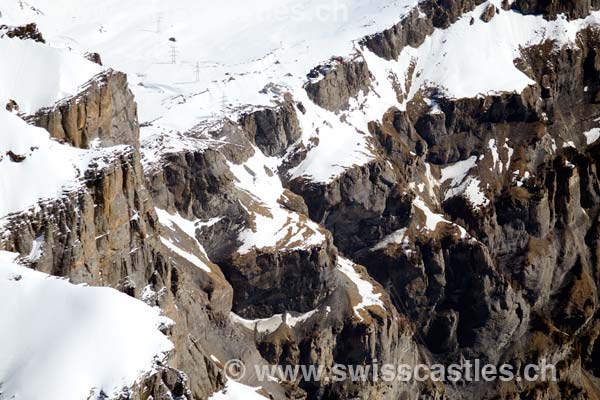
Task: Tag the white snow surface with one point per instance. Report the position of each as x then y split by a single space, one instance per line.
189 228
592 135
366 290
237 391
271 324
49 168
36 75
468 186
62 341
222 50
191 63
342 140
458 171
397 237
432 219
469 60
274 226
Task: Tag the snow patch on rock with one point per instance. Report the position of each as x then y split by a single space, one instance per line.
592 135
366 290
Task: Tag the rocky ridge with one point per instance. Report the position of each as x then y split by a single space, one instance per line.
507 275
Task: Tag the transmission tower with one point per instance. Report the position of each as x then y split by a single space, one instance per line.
173 54
159 23
197 71
224 104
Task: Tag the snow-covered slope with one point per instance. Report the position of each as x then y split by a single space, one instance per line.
33 167
236 391
473 57
38 75
194 63
273 225
61 341
238 47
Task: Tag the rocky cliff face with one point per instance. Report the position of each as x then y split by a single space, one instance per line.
482 292
551 9
476 220
104 111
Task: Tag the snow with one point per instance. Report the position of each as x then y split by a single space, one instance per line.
472 192
467 60
185 254
342 142
397 237
484 52
592 135
61 341
235 54
458 171
468 187
510 151
38 75
62 166
37 249
365 289
189 228
271 324
237 391
223 56
520 180
432 219
262 325
274 226
495 155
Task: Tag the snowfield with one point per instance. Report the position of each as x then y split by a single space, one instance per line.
274 226
48 169
237 391
238 47
38 75
194 63
61 341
